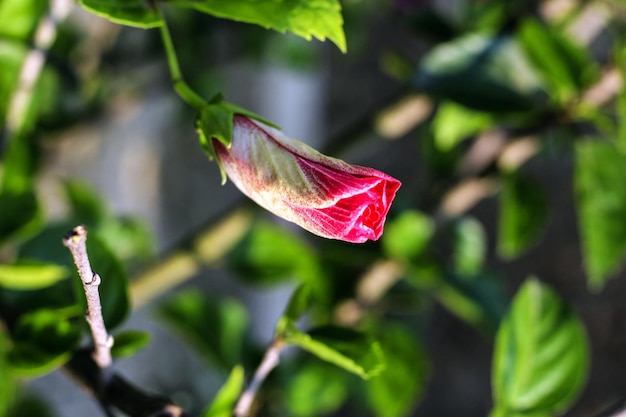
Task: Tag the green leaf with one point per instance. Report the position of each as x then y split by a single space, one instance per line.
18 18
601 204
470 247
523 213
349 349
299 303
136 13
85 203
129 342
18 202
44 340
315 389
398 388
8 384
454 123
215 327
565 66
408 235
482 73
540 361
31 405
271 254
26 276
306 18
224 401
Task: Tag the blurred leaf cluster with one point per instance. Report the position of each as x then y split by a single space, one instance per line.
509 86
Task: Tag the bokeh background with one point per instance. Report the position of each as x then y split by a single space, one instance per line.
118 127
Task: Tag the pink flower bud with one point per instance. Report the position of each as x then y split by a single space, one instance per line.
324 195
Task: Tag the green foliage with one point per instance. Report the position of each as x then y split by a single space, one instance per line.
30 276
30 405
19 17
541 355
408 236
315 389
398 388
601 203
454 123
481 73
349 349
523 212
224 401
137 13
43 340
470 247
270 254
18 202
216 328
129 342
565 67
320 19
7 381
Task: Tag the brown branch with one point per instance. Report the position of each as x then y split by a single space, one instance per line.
270 361
118 392
76 241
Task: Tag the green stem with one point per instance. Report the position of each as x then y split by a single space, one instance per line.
182 88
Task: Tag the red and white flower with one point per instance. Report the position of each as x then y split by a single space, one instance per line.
324 195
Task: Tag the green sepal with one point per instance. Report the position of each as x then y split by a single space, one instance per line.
216 121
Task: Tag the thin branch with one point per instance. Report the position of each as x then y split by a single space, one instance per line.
269 362
118 392
45 34
76 241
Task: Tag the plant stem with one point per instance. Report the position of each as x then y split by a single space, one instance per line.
76 241
269 362
182 88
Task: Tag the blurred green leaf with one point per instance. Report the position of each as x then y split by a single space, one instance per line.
540 361
349 349
129 342
215 327
85 203
408 235
315 389
621 100
224 401
453 123
398 388
11 56
18 18
600 187
320 19
299 303
470 247
8 384
28 276
523 214
18 202
43 340
565 66
137 13
271 254
482 73
30 405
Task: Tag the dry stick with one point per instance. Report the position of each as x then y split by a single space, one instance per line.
76 241
269 362
32 66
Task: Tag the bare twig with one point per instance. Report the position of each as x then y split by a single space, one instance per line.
269 362
76 241
118 392
45 35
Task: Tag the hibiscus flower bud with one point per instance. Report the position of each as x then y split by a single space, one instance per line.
324 195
